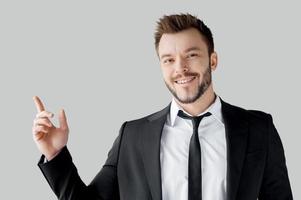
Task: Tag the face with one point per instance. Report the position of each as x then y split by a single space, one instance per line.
186 65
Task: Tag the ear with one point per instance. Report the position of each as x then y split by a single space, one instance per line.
213 60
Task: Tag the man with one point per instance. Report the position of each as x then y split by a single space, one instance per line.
198 147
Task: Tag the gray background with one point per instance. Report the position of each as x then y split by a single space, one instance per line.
96 59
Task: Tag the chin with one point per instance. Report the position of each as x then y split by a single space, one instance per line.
186 99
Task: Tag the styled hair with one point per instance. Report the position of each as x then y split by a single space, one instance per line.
179 22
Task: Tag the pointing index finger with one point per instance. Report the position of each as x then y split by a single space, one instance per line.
39 105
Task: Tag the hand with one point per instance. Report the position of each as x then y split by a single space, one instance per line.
48 138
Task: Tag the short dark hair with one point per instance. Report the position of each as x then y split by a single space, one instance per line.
179 22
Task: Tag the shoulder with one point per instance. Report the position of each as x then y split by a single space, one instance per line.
142 121
151 117
253 116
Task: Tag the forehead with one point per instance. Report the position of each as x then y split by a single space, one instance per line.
172 43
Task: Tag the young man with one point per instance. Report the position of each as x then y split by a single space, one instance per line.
198 147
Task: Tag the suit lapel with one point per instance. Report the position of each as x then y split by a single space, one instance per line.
236 127
151 138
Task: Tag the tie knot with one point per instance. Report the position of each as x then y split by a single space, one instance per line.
195 119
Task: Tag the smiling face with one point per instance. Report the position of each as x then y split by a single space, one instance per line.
186 65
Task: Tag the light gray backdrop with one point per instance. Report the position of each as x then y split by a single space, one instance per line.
97 60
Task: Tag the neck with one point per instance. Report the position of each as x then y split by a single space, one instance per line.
201 104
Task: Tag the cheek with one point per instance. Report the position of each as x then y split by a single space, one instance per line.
199 67
167 74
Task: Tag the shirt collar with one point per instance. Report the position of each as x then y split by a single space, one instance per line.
215 109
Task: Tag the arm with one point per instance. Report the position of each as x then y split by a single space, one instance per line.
275 184
60 171
64 179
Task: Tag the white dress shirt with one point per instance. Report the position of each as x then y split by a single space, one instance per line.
175 149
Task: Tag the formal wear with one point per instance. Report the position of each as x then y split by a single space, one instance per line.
174 148
256 166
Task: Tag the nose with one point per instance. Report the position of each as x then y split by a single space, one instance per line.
181 66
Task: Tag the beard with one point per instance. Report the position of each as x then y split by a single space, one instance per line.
203 86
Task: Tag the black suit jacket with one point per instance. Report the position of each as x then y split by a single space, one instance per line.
256 162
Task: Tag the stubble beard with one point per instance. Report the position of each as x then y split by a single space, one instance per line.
207 79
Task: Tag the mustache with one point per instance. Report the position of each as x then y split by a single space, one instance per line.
185 74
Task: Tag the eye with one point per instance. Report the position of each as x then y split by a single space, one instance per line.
192 55
168 60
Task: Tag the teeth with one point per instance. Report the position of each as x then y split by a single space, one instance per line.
184 81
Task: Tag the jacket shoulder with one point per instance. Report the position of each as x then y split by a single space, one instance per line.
153 116
249 113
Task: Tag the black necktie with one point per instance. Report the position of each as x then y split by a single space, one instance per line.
194 159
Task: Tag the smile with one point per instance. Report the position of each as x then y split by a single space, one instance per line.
183 81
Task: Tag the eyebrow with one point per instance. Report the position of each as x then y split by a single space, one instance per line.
192 49
165 55
187 50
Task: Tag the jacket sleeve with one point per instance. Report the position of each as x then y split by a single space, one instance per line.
275 184
63 178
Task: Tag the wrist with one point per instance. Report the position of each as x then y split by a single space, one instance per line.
52 155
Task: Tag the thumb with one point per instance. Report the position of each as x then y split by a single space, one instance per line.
63 120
